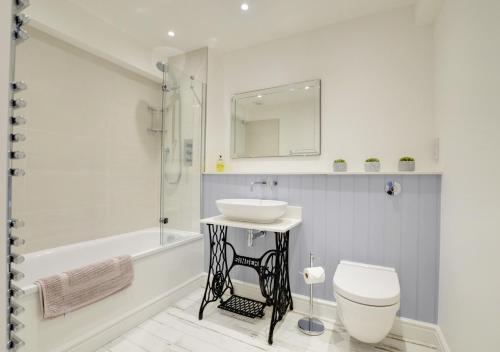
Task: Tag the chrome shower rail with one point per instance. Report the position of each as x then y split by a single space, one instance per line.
19 35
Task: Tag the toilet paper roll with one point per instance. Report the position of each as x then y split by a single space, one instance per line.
314 275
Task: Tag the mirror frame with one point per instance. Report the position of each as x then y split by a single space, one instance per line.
317 149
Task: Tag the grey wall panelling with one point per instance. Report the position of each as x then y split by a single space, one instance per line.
349 217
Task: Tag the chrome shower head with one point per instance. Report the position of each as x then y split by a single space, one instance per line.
162 66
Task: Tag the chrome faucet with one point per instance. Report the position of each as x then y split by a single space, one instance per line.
264 183
257 183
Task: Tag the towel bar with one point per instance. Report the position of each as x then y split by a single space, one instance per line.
16 309
16 258
16 275
19 34
16 292
15 325
15 343
16 241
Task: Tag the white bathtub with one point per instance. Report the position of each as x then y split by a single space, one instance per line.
163 273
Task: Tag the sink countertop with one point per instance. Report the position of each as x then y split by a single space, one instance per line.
291 219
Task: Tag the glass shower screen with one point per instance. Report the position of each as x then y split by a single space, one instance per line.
181 140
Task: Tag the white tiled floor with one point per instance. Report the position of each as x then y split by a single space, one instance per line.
178 329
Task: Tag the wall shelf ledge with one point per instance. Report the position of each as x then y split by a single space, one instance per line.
350 173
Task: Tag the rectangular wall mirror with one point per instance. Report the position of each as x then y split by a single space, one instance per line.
279 121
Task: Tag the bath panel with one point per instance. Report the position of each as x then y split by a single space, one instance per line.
158 278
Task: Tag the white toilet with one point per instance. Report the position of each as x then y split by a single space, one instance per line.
367 299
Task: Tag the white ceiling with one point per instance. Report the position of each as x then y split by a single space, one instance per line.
221 24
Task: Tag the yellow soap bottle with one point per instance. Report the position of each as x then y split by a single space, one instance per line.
219 165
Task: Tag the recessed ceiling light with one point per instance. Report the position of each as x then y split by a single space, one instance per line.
244 6
259 96
171 34
307 87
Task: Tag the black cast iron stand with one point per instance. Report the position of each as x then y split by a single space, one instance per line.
272 268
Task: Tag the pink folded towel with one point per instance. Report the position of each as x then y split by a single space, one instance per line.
74 289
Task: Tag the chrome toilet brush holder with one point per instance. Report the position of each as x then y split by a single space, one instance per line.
310 325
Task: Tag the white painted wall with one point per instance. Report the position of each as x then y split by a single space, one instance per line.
72 23
468 115
377 94
67 21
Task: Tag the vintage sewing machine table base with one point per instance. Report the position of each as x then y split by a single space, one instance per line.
271 267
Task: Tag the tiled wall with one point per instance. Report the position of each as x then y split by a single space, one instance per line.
92 168
350 217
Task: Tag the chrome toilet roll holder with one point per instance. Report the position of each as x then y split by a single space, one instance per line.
310 325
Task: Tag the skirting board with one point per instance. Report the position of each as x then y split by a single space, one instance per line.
124 323
443 345
403 328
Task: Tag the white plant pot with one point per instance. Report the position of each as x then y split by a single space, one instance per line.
339 167
372 166
406 166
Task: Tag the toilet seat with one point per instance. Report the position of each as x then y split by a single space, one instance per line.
365 284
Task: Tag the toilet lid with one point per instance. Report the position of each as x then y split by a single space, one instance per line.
367 284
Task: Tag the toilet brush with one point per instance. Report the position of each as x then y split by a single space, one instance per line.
310 325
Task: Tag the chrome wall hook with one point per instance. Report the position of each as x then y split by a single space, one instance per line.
393 188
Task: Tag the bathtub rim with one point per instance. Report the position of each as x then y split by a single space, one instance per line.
33 288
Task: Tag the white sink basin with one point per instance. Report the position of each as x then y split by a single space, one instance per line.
252 210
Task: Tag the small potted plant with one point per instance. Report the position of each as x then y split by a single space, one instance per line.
372 165
406 163
339 165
